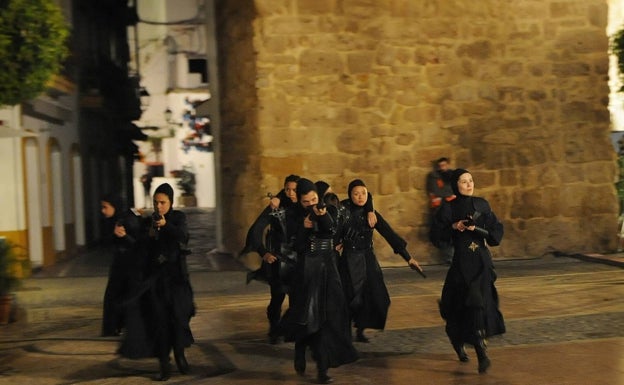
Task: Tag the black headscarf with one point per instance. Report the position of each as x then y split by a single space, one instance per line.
321 187
354 183
108 224
113 200
166 189
455 178
304 186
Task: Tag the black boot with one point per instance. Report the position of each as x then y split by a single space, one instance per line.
461 352
274 334
360 337
180 360
323 378
484 361
300 359
322 364
165 370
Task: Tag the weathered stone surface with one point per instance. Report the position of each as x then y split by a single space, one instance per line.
377 89
315 62
582 41
327 163
480 50
316 6
360 62
271 7
281 165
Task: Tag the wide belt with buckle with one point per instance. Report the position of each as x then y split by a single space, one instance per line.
321 244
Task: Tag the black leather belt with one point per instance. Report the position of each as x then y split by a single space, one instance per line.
321 244
360 244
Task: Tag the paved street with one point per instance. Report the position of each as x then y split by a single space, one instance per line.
564 319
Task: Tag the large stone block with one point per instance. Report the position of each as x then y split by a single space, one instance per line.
508 177
327 163
339 92
289 25
571 69
583 41
480 50
281 165
527 204
387 183
360 62
315 6
266 8
315 62
274 45
352 141
420 114
599 200
441 75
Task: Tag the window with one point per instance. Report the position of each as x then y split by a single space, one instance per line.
199 66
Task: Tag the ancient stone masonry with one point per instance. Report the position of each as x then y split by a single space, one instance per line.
376 89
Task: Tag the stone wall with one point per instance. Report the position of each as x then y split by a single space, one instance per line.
516 92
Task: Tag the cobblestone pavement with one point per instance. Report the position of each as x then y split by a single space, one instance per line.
563 315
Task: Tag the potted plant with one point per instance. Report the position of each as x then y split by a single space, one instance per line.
187 184
14 267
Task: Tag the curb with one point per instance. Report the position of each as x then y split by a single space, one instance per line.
610 259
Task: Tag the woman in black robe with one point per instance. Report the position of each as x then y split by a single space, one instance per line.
163 307
318 315
469 301
122 230
362 278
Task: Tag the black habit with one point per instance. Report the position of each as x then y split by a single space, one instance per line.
318 315
469 301
362 277
160 310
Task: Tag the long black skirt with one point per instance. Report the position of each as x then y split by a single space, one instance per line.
318 314
365 289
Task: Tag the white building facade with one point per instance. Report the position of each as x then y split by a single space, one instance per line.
170 56
42 176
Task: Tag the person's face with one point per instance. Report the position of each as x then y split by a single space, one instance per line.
309 199
359 195
465 184
290 188
443 166
162 204
107 209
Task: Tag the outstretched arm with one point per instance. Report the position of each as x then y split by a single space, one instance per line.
368 208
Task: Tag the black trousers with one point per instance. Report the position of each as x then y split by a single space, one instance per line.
274 310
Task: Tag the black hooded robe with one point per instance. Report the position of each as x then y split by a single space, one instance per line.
159 313
469 301
125 270
362 277
318 314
